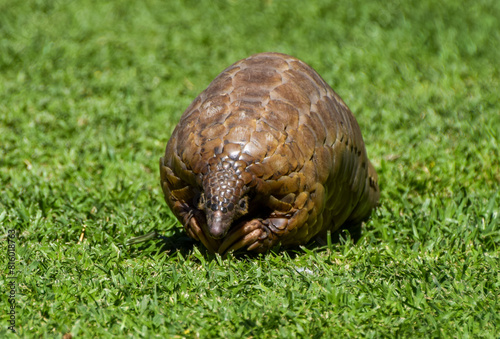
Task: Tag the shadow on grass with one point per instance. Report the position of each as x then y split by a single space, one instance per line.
180 242
177 242
351 233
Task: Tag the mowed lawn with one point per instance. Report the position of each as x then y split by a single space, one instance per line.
90 92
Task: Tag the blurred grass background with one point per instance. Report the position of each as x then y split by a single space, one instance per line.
91 90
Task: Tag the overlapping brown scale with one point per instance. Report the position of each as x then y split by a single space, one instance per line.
278 225
364 208
338 99
267 171
239 116
180 169
293 95
262 126
286 151
310 175
330 120
358 175
296 151
193 109
227 73
298 220
353 162
221 84
331 106
279 165
193 160
316 221
247 178
253 95
274 120
304 137
345 123
357 139
190 123
246 158
210 147
268 61
211 98
314 125
288 184
213 132
243 100
319 128
339 159
304 82
343 209
232 151
303 67
198 164
253 149
290 197
240 134
257 78
169 177
213 111
278 206
239 165
187 152
265 141
323 161
317 195
301 200
259 170
283 111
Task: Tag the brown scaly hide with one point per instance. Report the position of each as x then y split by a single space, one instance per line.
267 154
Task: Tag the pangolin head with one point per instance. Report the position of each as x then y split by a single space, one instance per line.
224 199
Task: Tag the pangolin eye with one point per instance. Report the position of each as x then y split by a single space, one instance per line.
201 200
243 203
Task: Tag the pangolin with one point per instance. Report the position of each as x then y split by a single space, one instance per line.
267 155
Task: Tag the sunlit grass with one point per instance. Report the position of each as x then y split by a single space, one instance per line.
90 92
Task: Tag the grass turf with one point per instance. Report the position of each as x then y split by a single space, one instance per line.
91 90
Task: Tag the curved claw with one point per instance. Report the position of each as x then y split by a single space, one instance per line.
250 238
239 237
265 241
196 232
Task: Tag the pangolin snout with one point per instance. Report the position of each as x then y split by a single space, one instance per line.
218 225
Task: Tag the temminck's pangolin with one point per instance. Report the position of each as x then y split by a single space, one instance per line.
268 154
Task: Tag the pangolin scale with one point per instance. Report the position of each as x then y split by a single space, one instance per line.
268 154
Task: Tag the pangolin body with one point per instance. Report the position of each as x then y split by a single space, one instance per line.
268 154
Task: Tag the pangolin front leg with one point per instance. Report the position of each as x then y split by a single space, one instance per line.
260 235
254 235
194 228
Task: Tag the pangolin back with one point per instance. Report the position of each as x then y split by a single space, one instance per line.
267 154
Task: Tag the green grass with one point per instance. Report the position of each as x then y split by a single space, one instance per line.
91 90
